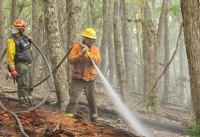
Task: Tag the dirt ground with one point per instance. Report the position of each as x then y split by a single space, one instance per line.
48 120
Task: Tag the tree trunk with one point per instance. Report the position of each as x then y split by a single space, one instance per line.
103 48
40 42
74 26
35 39
191 20
166 46
13 11
2 43
161 21
56 52
118 50
89 14
110 46
152 58
181 55
140 65
145 52
61 4
127 53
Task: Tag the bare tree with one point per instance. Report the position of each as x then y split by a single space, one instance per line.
74 26
145 49
103 48
56 52
167 50
127 53
13 11
118 50
150 34
191 24
61 5
2 43
110 46
34 35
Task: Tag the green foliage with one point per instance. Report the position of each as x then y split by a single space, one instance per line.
175 9
150 103
180 81
195 132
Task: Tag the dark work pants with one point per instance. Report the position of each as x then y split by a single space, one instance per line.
76 88
25 82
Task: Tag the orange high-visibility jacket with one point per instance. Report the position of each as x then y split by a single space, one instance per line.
83 67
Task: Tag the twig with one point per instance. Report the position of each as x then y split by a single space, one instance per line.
164 69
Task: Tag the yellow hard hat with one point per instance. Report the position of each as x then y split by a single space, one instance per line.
90 33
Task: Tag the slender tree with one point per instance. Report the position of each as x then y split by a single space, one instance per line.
103 48
145 48
166 46
161 21
61 5
13 11
74 26
34 36
191 24
118 50
150 34
2 43
56 52
111 66
127 50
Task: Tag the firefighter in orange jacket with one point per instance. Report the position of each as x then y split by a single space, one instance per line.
83 73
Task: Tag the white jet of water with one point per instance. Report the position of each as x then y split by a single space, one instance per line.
132 120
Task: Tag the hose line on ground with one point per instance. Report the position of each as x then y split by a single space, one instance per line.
66 55
50 87
18 121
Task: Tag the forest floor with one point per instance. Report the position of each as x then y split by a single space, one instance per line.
48 120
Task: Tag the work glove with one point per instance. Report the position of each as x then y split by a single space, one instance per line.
84 49
14 73
30 39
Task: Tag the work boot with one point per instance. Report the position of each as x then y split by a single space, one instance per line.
69 115
93 119
24 104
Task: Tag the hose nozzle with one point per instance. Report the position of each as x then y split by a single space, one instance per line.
88 53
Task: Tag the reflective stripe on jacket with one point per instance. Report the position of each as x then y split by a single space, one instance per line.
11 52
83 67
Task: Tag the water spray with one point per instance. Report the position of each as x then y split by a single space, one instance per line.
123 110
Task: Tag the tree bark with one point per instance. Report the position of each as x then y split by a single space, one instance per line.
127 53
191 24
167 50
118 50
56 52
2 45
35 30
110 46
13 11
74 26
145 51
103 48
161 21
140 65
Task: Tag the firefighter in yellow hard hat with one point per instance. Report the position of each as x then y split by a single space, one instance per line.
19 59
83 73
